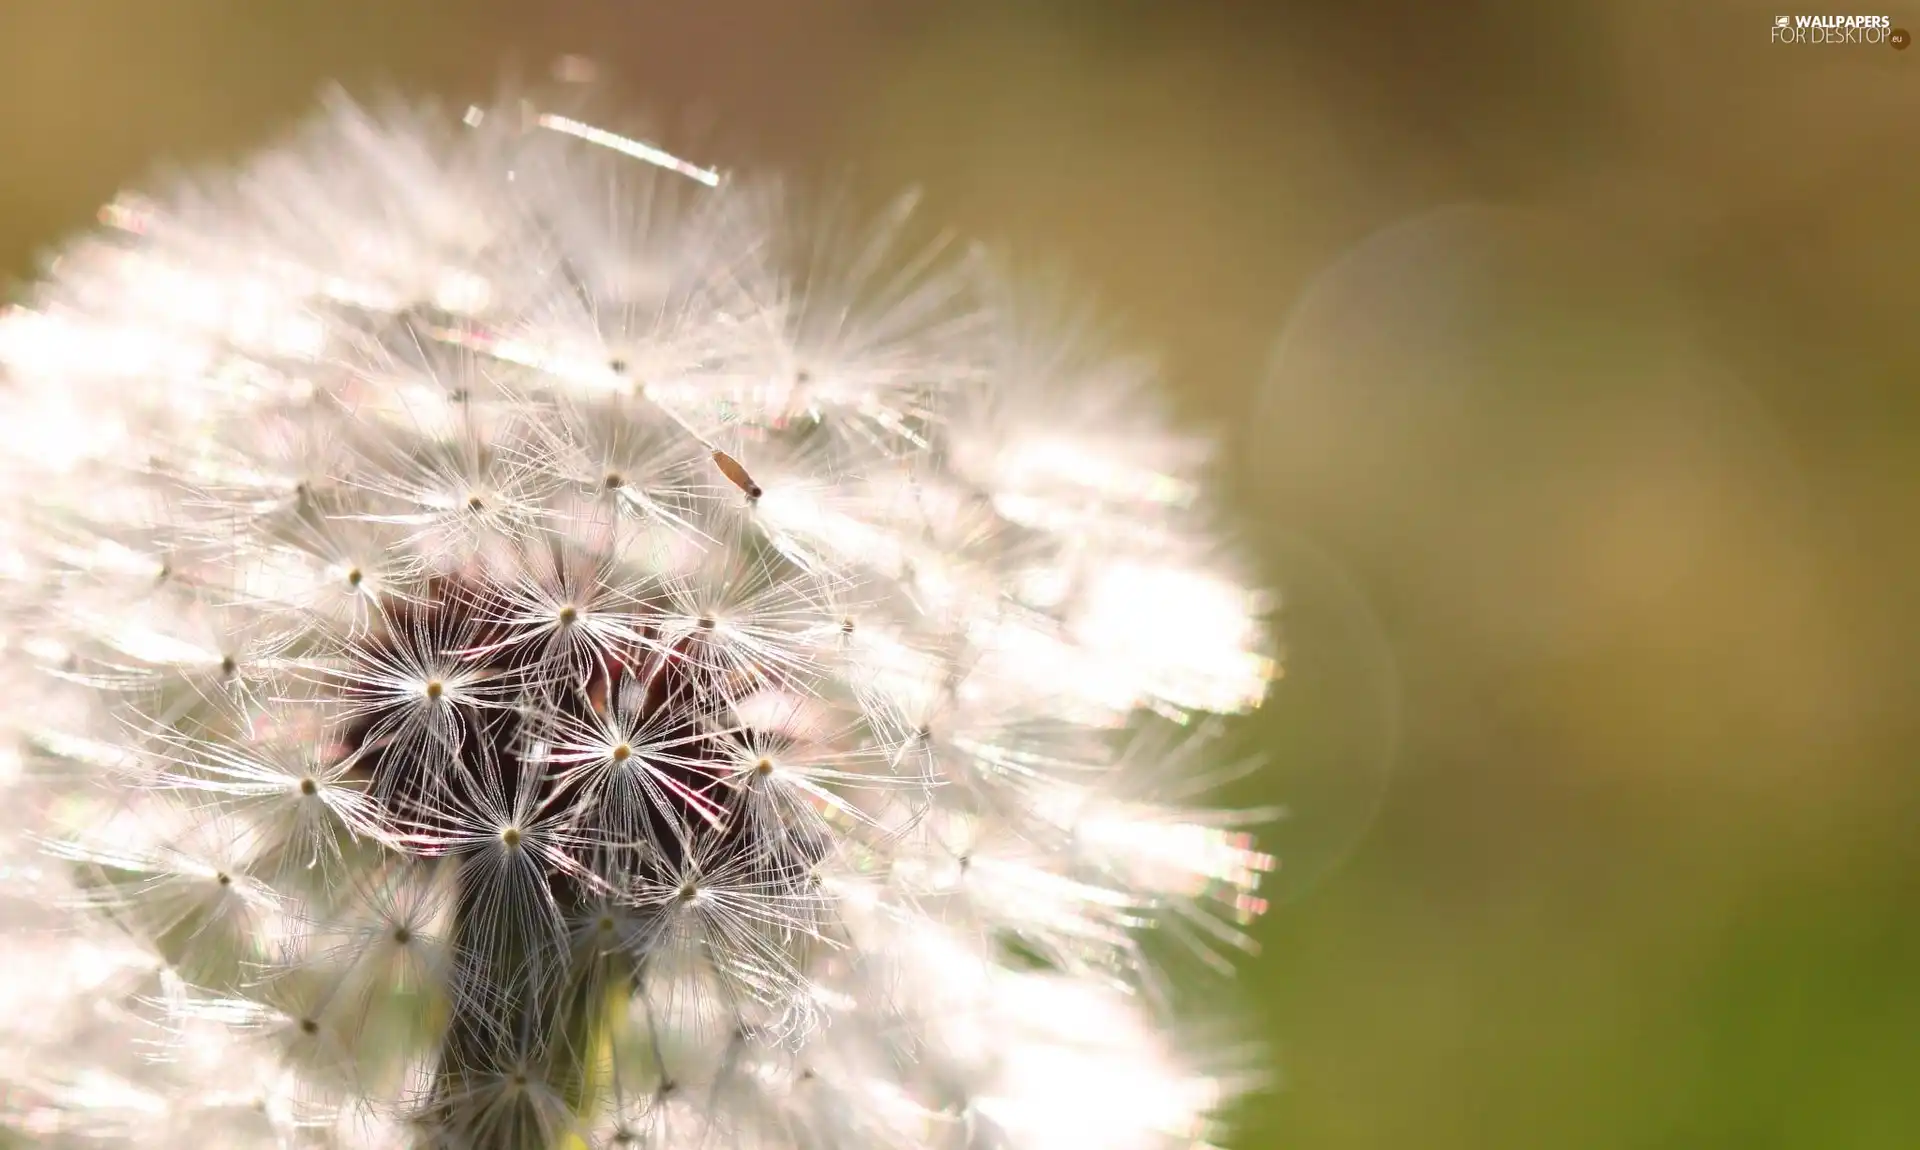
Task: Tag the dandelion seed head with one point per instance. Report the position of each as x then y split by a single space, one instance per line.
518 639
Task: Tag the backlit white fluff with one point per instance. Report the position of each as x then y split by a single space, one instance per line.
508 645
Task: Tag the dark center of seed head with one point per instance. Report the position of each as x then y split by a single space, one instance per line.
309 787
228 665
627 686
764 766
355 576
402 935
309 1026
223 878
476 503
568 615
614 481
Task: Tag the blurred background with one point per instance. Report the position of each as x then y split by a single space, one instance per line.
1564 358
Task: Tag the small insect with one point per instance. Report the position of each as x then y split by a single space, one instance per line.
736 474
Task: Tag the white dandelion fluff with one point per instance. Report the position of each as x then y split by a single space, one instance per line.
515 640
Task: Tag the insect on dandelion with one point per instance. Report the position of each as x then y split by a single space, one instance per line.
516 640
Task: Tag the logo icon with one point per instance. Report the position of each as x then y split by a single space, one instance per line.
1780 21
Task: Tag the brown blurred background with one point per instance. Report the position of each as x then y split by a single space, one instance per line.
1564 352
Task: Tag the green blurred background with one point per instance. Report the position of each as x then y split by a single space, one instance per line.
1564 355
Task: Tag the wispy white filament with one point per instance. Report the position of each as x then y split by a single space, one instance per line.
512 640
626 145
